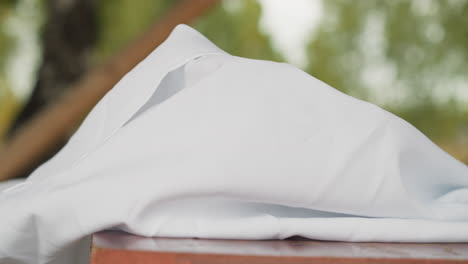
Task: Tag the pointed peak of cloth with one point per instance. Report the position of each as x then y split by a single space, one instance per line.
185 40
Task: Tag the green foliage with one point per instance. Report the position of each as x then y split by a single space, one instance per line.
423 42
334 52
428 46
8 107
5 8
5 41
8 103
121 21
237 32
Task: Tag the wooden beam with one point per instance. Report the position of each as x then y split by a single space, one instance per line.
123 248
58 121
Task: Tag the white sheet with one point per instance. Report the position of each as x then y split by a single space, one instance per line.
195 142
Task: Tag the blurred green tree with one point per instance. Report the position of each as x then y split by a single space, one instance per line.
234 27
121 21
8 107
409 57
5 40
8 102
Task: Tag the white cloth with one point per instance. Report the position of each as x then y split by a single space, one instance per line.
195 142
10 184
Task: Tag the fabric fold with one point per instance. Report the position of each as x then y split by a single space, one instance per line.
195 142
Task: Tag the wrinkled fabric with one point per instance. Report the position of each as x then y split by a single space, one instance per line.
194 142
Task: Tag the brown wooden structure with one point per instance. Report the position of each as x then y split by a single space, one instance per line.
122 248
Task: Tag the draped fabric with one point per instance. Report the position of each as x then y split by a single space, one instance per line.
194 142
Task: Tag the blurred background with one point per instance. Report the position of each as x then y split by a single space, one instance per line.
409 57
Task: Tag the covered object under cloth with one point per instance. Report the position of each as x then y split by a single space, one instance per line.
194 142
